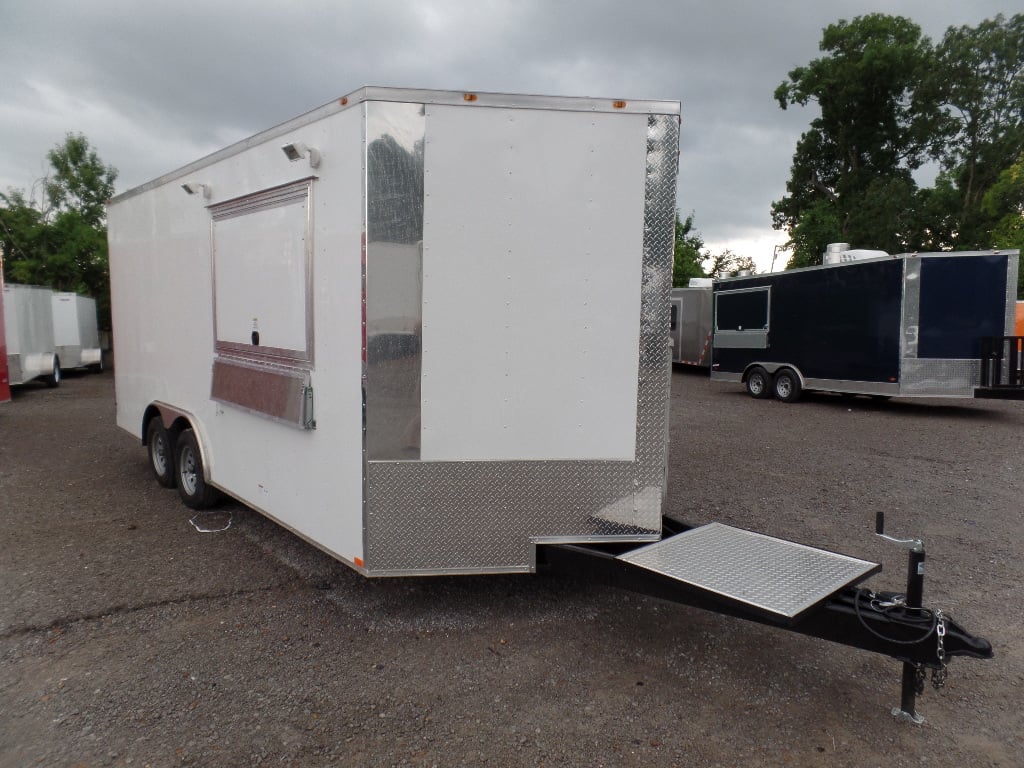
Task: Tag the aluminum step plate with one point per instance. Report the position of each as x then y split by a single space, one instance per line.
775 576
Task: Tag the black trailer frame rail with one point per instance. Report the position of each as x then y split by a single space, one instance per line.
888 623
1002 374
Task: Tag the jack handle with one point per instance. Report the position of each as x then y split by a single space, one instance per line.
914 545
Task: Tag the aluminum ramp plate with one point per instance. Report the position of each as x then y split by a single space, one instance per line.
773 576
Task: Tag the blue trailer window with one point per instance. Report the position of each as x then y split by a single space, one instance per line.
745 310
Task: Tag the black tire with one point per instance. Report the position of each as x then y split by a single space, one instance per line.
759 383
53 380
786 385
188 463
98 367
160 447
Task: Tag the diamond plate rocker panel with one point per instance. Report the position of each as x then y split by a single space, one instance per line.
773 575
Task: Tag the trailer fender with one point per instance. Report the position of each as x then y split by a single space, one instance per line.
175 420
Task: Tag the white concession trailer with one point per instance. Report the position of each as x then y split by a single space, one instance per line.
425 330
28 329
428 331
75 333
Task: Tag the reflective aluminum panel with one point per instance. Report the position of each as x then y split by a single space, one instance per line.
394 278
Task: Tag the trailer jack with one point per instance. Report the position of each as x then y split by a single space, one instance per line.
893 624
912 683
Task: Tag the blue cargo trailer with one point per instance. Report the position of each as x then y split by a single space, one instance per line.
911 325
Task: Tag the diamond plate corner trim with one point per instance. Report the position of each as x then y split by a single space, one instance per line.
655 367
911 320
1012 267
773 575
482 517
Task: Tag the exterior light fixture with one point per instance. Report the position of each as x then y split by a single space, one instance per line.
296 150
194 188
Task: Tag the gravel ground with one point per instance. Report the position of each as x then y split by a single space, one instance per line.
129 638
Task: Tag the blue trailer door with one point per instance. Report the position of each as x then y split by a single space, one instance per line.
963 298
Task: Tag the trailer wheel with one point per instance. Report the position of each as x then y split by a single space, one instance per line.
161 452
758 383
786 386
53 380
192 485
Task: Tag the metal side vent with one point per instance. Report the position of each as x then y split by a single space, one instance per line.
774 576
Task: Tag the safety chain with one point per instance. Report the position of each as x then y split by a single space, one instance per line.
939 675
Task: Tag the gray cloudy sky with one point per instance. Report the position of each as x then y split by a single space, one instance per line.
155 85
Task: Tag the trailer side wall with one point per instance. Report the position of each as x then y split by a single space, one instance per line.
166 326
838 323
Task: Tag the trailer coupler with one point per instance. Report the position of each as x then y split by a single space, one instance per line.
892 624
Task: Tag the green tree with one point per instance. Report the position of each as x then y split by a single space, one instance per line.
889 101
728 264
979 79
22 236
688 256
874 129
62 243
1004 203
81 182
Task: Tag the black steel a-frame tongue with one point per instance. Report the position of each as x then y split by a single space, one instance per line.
782 584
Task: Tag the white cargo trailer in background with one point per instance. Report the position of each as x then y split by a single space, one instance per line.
425 330
691 323
75 333
28 328
5 380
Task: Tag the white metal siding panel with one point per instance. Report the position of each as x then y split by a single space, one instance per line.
533 243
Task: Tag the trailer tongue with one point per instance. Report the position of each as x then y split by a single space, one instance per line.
786 585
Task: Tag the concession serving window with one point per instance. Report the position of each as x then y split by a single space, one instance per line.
742 318
263 302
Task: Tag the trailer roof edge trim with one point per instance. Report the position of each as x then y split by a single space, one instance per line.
894 257
479 99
